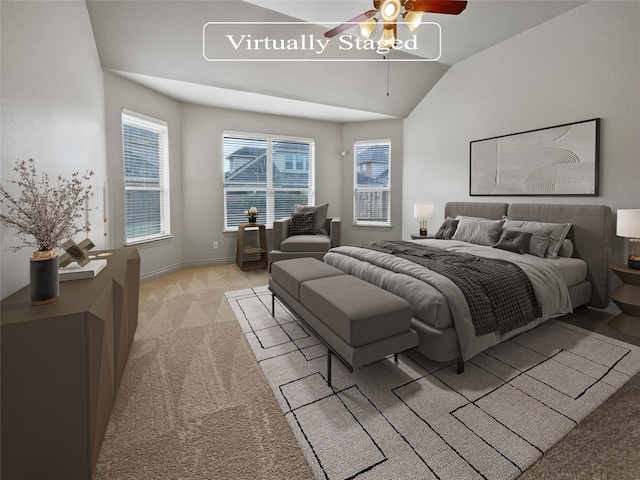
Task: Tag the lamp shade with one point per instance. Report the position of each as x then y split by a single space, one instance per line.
367 27
422 210
390 9
628 224
413 20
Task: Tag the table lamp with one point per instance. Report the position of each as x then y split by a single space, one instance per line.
423 212
628 225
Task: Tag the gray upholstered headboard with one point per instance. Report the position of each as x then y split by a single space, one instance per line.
591 234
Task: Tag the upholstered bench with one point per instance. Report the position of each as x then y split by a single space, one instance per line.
358 322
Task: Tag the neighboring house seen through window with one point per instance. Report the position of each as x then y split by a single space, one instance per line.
372 201
146 177
271 173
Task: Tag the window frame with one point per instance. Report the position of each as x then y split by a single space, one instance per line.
161 127
365 223
268 217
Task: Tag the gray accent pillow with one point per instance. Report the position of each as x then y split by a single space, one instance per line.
558 231
538 242
480 231
303 223
321 214
447 229
514 241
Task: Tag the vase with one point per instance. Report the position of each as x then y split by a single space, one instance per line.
252 219
43 271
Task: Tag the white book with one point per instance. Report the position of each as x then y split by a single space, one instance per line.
75 271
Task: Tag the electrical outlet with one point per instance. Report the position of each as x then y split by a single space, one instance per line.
215 245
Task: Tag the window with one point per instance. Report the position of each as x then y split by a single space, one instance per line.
271 173
372 202
146 177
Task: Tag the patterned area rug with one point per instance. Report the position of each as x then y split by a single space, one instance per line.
419 419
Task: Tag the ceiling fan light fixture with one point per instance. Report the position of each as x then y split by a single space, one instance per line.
390 10
388 39
413 19
367 27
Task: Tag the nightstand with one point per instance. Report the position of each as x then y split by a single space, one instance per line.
627 297
417 236
241 251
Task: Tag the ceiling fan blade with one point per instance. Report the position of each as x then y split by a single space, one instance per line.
450 7
347 25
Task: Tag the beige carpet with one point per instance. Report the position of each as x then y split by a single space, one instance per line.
194 404
420 419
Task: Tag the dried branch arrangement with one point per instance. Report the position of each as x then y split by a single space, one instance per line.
44 215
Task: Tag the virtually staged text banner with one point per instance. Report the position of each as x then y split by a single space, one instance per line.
291 41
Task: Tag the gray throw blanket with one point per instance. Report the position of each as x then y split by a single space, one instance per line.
499 294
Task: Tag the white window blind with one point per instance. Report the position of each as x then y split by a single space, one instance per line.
146 177
372 187
271 173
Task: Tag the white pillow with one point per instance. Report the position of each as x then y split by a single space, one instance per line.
559 232
480 231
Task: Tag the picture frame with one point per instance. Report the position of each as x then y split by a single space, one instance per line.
562 160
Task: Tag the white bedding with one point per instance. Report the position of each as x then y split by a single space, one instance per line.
437 301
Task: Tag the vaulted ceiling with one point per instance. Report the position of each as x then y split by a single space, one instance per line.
179 49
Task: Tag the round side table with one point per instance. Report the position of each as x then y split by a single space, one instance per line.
417 236
627 297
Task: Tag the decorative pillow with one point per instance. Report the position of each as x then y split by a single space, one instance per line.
559 232
567 249
514 241
321 215
303 223
538 242
447 229
481 231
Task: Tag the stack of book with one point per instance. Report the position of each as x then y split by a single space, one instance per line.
76 272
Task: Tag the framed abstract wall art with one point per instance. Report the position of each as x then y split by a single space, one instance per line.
560 160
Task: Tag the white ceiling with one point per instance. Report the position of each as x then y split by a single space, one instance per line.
163 45
482 24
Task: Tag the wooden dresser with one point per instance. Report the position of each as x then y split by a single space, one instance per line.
61 366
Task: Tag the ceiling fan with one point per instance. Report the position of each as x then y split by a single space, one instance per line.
410 10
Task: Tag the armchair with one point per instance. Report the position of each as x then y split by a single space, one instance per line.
287 246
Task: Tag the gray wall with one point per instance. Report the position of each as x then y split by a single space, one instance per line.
197 202
52 108
378 130
203 219
195 143
580 65
161 256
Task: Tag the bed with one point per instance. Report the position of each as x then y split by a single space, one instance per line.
442 317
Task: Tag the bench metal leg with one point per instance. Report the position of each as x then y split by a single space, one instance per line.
330 352
273 305
460 365
395 357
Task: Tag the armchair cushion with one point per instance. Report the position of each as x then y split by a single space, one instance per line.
321 215
303 223
306 243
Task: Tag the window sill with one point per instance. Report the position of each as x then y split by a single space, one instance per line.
151 242
372 225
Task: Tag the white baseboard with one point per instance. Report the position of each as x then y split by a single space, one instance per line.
181 266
